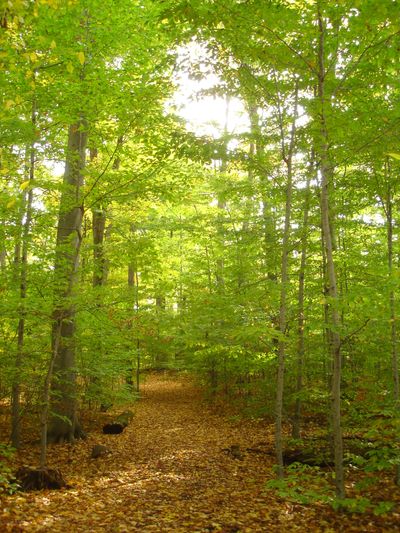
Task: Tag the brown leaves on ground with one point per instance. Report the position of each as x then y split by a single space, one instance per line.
176 468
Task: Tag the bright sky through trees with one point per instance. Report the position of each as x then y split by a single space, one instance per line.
205 114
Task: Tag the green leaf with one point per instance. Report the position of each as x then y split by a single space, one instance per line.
394 155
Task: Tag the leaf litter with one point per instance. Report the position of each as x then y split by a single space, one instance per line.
177 467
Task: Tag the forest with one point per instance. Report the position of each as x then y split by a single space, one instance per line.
199 265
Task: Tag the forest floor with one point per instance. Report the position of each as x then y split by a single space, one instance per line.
171 471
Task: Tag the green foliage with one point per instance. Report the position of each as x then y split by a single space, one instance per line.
362 505
352 505
7 483
309 484
303 484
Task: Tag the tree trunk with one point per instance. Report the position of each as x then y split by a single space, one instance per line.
221 206
23 263
392 300
133 284
287 156
99 222
98 229
326 171
44 415
64 425
249 203
99 219
300 312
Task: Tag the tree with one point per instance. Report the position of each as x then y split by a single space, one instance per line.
65 425
326 169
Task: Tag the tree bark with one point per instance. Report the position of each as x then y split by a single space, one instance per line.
287 156
99 219
392 300
98 229
99 222
221 206
23 263
64 425
133 284
300 312
326 171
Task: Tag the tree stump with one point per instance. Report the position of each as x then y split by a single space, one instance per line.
234 451
119 424
319 458
99 450
113 429
39 478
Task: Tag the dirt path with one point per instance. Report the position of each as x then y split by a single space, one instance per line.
168 473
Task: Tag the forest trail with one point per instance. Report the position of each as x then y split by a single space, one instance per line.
169 471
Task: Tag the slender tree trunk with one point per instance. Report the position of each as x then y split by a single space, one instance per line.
108 228
326 172
99 222
326 332
138 365
44 415
392 300
221 205
98 275
300 312
133 285
64 425
100 233
269 226
131 275
287 156
3 249
98 229
3 255
249 205
138 362
23 263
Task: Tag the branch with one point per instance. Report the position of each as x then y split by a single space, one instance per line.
350 335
